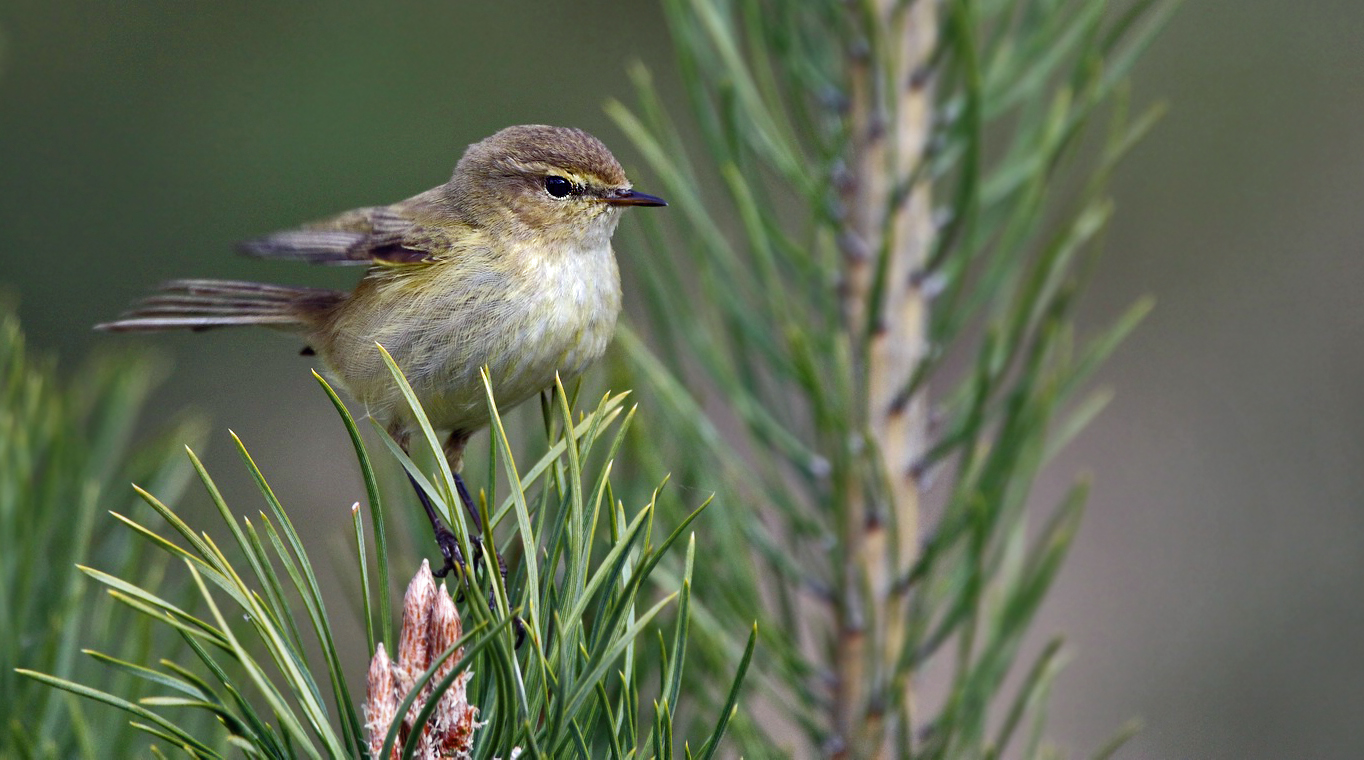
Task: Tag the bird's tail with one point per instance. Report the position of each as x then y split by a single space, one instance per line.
204 304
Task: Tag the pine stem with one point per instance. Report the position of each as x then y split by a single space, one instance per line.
888 229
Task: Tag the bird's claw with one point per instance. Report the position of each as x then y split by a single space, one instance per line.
453 556
449 549
454 560
519 626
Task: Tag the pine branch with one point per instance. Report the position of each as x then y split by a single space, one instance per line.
821 289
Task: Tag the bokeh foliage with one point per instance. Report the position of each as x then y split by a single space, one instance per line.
68 449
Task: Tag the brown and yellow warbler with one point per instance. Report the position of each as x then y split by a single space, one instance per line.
508 265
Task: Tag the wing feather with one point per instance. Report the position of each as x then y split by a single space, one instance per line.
377 235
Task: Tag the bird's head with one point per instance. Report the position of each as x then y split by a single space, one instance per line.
558 184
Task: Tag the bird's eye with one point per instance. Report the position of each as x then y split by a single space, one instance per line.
558 186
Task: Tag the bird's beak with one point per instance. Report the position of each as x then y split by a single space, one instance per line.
633 198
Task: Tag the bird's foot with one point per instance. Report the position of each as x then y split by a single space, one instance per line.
453 556
448 544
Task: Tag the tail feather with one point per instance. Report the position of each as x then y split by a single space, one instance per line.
204 304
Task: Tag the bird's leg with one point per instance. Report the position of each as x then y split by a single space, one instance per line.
454 455
446 539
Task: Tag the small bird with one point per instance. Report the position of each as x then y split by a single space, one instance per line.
507 266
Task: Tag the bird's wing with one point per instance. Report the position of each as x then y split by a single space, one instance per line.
378 235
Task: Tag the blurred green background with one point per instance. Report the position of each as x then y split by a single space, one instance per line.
1215 590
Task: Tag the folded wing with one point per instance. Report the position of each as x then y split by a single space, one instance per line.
382 234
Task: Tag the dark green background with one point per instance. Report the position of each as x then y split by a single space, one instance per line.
1215 590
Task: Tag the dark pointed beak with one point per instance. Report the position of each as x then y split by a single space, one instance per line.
633 198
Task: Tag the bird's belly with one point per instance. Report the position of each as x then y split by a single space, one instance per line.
520 364
523 336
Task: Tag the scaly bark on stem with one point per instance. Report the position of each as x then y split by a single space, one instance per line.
887 233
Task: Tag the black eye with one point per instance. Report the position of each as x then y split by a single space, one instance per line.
558 186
